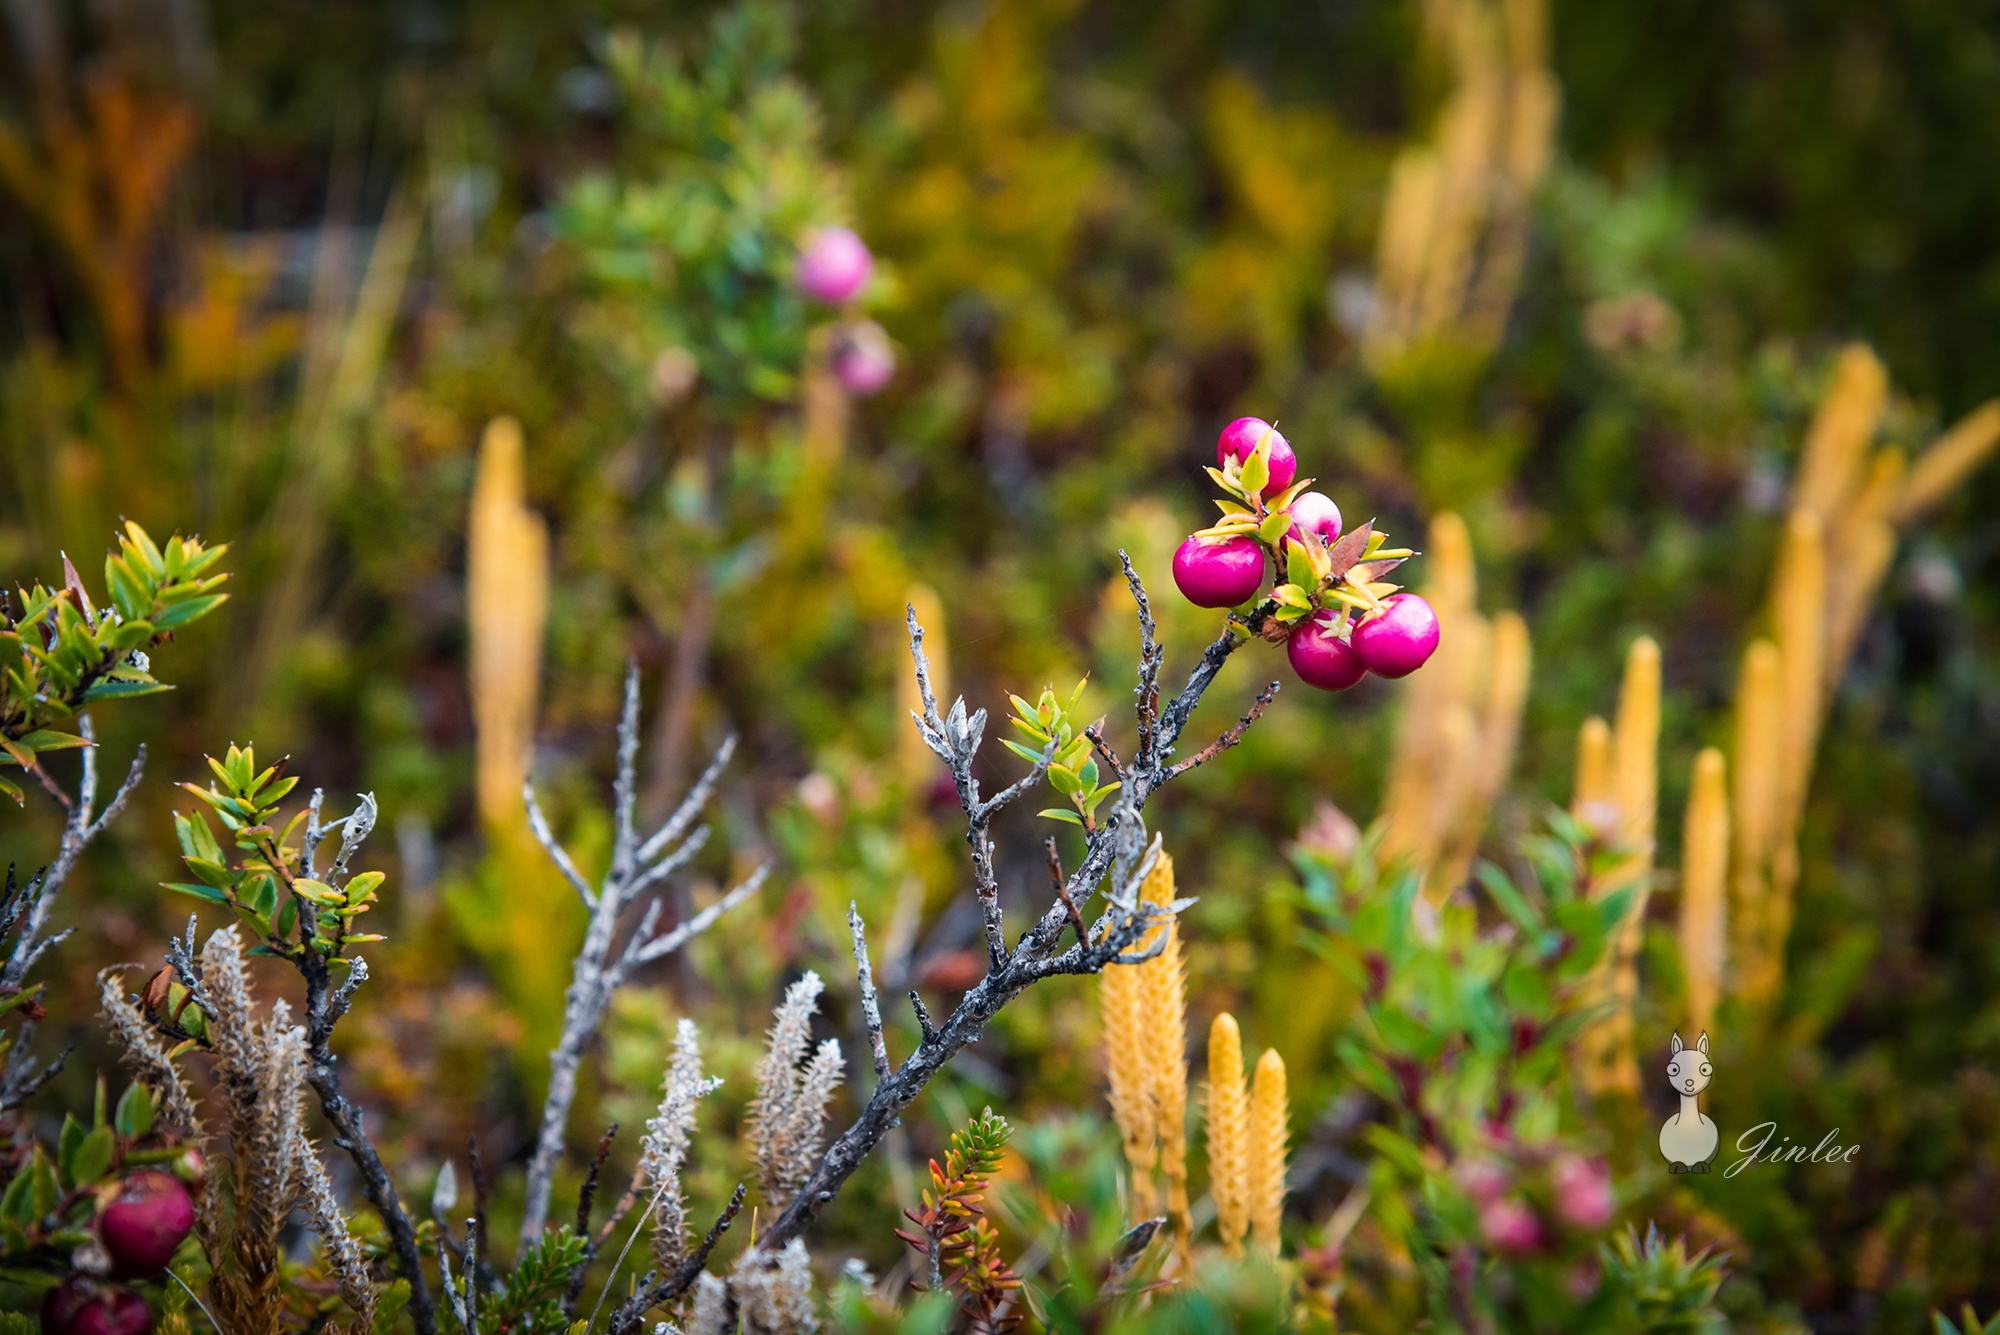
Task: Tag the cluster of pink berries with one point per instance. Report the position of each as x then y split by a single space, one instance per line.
1577 1195
141 1225
833 268
1329 605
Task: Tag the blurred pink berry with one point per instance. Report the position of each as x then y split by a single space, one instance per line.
1239 441
1510 1226
1583 1193
1482 1179
865 361
1320 656
1315 512
89 1307
1398 640
144 1223
834 266
1218 574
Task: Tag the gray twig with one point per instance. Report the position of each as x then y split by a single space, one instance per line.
625 1319
871 1007
599 971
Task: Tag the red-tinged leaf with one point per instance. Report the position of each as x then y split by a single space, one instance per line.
1343 554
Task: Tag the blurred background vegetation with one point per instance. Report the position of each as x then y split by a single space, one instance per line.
270 270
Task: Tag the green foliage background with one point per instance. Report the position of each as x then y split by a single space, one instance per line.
1105 229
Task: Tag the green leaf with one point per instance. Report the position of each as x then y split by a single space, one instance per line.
44 739
11 789
110 689
68 1142
134 1117
207 892
1275 526
1053 814
1032 755
319 892
94 1156
1064 780
173 618
288 918
19 1201
361 889
1257 469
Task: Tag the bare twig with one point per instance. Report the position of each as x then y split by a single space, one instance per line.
598 970
1229 738
584 1200
1062 892
1121 839
871 1007
626 1318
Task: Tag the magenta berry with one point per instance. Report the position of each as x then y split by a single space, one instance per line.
834 266
1315 512
1239 440
1218 574
865 361
1320 656
1399 639
1482 1179
145 1222
83 1306
1583 1193
1510 1226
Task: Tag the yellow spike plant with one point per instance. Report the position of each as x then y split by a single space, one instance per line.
1228 1123
1704 887
1145 1039
1266 1168
507 596
1454 225
1850 500
1461 721
1618 783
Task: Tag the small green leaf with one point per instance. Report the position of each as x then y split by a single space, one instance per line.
361 889
207 892
1064 780
134 1117
1053 814
68 1142
319 892
1257 469
1031 755
93 1157
1275 526
122 690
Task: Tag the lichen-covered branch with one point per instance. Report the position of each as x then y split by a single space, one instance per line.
1118 850
599 970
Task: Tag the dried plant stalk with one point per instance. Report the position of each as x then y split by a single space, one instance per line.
1493 758
1267 1151
1704 887
507 592
786 1116
1228 1134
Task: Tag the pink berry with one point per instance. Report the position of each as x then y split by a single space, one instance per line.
1398 640
866 361
1482 1179
1218 574
1510 1226
1583 1193
1239 440
82 1306
1315 512
1320 656
145 1222
834 266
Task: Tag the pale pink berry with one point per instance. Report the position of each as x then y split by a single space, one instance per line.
1482 1179
834 265
1320 656
1315 512
1399 639
1222 573
145 1222
1583 1193
1240 439
84 1306
865 361
1510 1226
